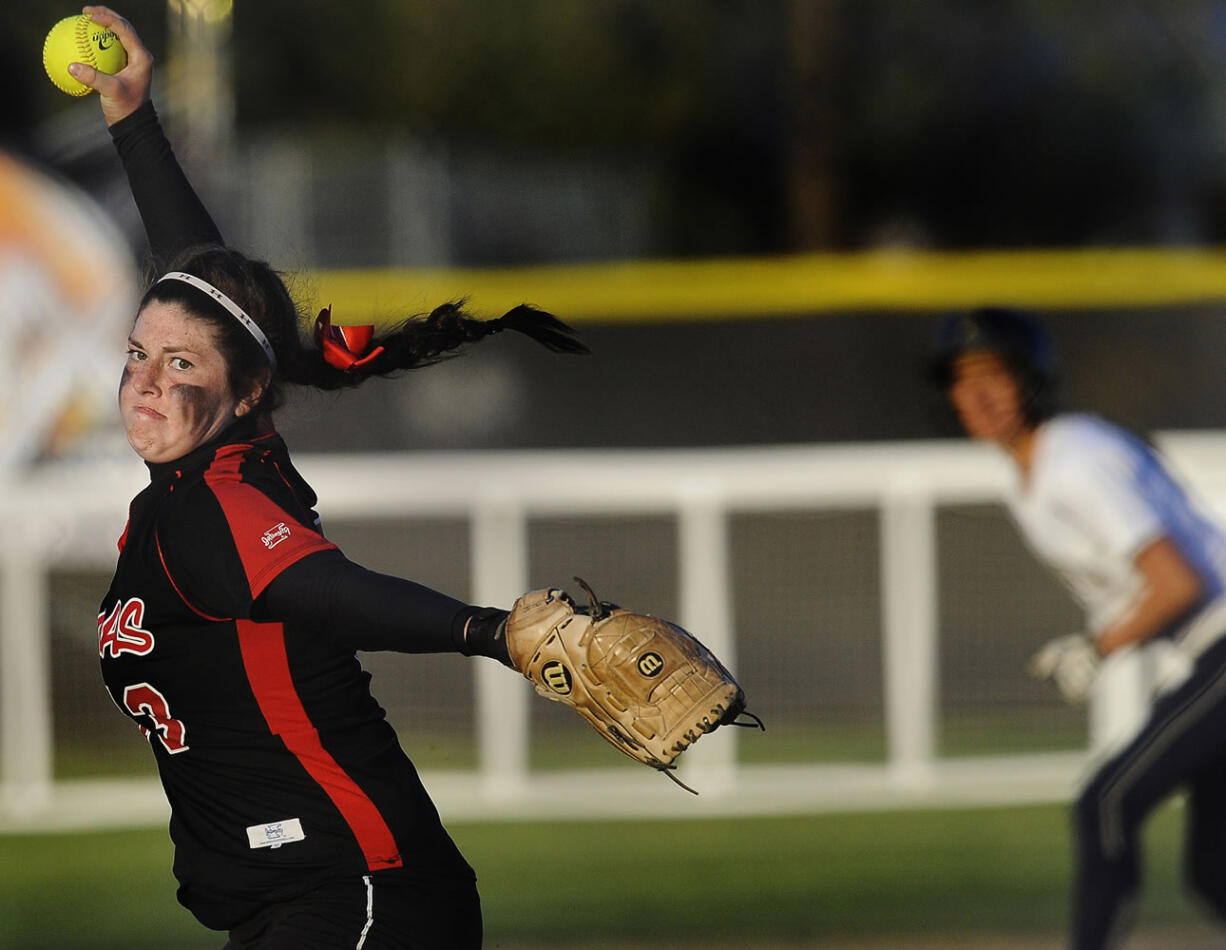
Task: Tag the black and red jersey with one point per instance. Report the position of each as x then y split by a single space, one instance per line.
280 767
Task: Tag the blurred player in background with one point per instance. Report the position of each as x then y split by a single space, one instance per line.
230 629
67 288
1098 506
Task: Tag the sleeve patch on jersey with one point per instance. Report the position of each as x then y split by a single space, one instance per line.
267 538
275 535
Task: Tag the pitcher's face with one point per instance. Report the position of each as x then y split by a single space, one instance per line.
175 393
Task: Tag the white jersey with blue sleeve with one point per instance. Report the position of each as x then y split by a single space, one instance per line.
1095 497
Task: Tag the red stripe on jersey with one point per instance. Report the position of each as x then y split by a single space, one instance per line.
173 583
267 665
267 538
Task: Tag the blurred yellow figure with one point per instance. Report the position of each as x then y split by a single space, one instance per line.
67 294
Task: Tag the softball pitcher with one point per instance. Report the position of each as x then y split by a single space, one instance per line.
230 629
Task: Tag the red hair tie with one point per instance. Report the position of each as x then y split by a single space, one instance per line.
344 347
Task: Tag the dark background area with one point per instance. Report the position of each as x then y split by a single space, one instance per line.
824 378
767 125
753 127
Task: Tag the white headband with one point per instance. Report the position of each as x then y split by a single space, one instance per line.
249 324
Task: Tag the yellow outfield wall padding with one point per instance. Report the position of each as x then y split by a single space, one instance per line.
657 291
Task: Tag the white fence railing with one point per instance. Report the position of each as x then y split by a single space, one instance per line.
68 516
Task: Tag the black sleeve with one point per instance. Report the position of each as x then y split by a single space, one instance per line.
173 215
365 610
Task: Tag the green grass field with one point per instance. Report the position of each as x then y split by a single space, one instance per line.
873 879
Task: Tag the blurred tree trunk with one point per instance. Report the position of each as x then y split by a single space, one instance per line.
815 28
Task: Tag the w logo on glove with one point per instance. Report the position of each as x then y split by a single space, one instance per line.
650 664
557 678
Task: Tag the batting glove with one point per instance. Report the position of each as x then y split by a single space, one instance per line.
1071 662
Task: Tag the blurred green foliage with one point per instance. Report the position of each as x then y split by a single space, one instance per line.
771 125
606 75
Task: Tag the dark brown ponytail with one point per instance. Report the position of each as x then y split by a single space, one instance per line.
302 358
423 341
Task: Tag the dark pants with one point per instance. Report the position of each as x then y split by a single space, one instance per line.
369 913
1181 746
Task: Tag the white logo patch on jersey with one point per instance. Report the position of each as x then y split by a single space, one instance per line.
275 833
275 535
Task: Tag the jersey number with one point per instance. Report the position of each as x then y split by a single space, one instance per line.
143 700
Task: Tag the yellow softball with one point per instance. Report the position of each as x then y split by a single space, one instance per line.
78 39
